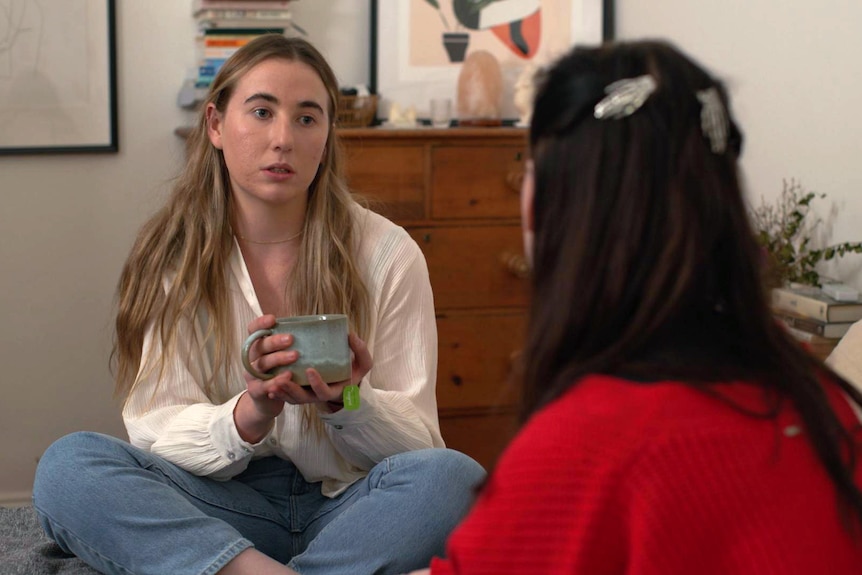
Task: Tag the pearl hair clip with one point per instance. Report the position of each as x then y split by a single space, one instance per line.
624 97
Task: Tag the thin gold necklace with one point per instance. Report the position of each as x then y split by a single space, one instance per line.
293 237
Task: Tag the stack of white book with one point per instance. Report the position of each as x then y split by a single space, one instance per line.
242 13
811 313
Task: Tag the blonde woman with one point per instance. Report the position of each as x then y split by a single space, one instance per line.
225 473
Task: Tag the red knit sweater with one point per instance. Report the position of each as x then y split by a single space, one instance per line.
619 477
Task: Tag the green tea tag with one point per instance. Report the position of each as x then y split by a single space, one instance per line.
350 397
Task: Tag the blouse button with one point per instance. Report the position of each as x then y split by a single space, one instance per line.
272 441
230 455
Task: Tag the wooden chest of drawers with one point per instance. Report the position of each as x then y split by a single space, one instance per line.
456 192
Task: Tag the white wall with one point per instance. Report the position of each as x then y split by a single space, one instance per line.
67 222
792 70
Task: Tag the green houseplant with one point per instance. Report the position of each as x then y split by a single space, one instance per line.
784 229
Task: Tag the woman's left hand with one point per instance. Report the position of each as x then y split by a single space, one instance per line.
320 391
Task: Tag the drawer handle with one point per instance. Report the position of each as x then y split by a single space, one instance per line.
516 361
514 179
515 264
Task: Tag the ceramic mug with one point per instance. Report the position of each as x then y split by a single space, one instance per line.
321 341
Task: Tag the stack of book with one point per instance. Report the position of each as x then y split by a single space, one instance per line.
212 14
224 26
812 315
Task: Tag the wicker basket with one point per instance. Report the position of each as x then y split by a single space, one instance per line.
356 111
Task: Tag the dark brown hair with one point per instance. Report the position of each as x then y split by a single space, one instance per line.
645 264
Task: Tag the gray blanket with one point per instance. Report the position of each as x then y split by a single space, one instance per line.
26 550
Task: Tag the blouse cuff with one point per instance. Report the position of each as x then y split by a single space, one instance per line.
225 436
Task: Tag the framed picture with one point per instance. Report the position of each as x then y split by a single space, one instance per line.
58 81
418 46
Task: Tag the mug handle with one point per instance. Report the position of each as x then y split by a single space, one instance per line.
247 345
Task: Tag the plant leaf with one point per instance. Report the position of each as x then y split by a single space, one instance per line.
783 228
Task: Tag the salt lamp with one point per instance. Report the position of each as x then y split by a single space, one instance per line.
480 90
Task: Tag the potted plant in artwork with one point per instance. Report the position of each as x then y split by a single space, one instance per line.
455 43
515 23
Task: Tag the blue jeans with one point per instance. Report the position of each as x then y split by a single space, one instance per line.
125 510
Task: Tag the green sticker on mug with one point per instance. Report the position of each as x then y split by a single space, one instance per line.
350 396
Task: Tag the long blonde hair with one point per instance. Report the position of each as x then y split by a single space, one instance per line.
190 239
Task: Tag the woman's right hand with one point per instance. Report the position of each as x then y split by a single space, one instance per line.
264 400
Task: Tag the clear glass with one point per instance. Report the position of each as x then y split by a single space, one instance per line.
441 112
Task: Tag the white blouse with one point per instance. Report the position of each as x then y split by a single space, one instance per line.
169 413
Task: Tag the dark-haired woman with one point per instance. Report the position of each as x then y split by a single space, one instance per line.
670 425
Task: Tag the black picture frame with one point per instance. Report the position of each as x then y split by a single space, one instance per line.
60 97
607 22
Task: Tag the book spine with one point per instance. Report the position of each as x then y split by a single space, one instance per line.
219 53
809 337
800 304
258 26
227 43
199 6
244 15
802 324
814 327
216 63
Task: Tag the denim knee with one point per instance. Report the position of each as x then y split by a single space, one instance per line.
95 496
450 466
67 463
406 507
444 484
444 474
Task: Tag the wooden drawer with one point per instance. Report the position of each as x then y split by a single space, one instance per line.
391 177
476 354
472 267
456 193
476 182
482 436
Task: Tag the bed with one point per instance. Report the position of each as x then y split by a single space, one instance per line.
26 550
